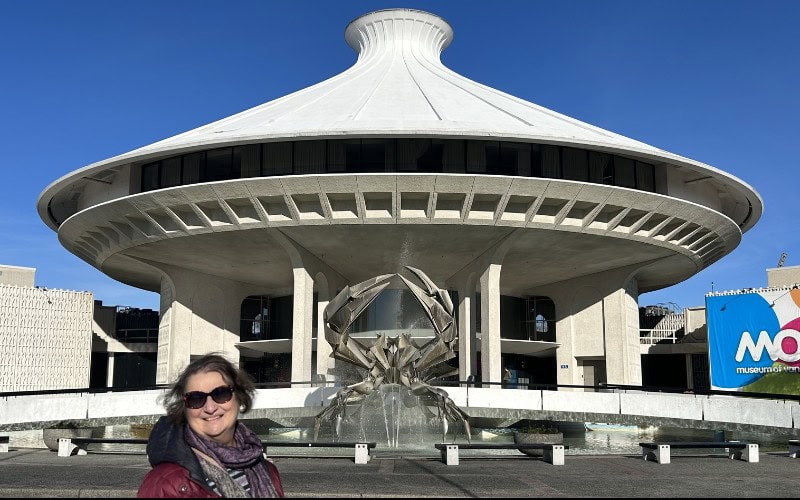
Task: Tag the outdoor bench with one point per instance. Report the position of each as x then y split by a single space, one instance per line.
362 455
794 448
553 453
3 444
660 452
78 445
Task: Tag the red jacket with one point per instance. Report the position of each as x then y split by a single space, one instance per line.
170 480
176 470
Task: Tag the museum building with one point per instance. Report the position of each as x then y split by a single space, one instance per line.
544 229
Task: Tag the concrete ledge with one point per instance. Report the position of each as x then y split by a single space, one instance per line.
731 409
587 402
664 405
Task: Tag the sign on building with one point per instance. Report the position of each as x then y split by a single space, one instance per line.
754 340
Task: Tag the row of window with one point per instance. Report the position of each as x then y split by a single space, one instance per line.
270 318
399 155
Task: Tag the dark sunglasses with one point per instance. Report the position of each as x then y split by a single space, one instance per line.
197 399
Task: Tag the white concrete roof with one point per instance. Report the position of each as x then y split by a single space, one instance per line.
399 87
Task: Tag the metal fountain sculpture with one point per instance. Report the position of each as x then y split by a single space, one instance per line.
394 360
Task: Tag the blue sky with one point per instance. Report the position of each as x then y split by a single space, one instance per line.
714 80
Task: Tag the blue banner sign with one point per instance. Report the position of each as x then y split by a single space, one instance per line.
754 340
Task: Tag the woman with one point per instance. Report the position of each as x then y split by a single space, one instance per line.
200 449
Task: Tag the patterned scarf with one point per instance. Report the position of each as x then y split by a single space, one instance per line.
246 455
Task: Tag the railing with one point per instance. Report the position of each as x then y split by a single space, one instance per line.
137 335
453 383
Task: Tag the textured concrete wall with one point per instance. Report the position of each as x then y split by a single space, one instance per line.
783 276
748 411
665 405
17 276
45 338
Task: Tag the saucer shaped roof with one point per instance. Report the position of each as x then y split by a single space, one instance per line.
399 87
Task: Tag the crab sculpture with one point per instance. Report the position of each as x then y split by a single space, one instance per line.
393 360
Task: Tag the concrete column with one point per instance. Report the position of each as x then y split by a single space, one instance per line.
623 354
325 363
689 372
491 360
110 372
303 302
467 344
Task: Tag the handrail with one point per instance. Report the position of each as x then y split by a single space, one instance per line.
450 383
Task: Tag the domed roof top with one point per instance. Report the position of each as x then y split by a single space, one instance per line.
399 86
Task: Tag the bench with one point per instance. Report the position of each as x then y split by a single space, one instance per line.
78 445
660 452
362 455
553 453
3 444
794 448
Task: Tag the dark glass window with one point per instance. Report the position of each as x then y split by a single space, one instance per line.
645 176
276 158
419 155
219 165
249 157
541 319
599 168
265 318
171 172
352 156
337 159
551 162
476 157
536 160
150 176
453 156
192 167
512 318
624 172
515 159
576 164
281 317
399 155
374 153
309 157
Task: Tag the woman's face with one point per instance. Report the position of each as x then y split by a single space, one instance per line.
214 421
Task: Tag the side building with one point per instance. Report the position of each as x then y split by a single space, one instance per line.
675 347
63 339
45 334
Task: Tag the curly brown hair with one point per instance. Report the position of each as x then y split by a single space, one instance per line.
213 362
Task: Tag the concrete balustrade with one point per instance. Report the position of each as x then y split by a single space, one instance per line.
28 412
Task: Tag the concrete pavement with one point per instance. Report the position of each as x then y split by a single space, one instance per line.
41 473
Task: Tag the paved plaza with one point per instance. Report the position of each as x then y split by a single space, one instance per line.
41 473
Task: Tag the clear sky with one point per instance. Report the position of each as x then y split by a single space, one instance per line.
713 80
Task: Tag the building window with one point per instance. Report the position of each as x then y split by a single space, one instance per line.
541 319
426 155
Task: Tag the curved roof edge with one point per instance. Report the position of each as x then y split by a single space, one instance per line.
399 87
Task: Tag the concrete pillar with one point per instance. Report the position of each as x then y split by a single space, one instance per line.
303 302
491 359
325 363
110 370
467 343
623 353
